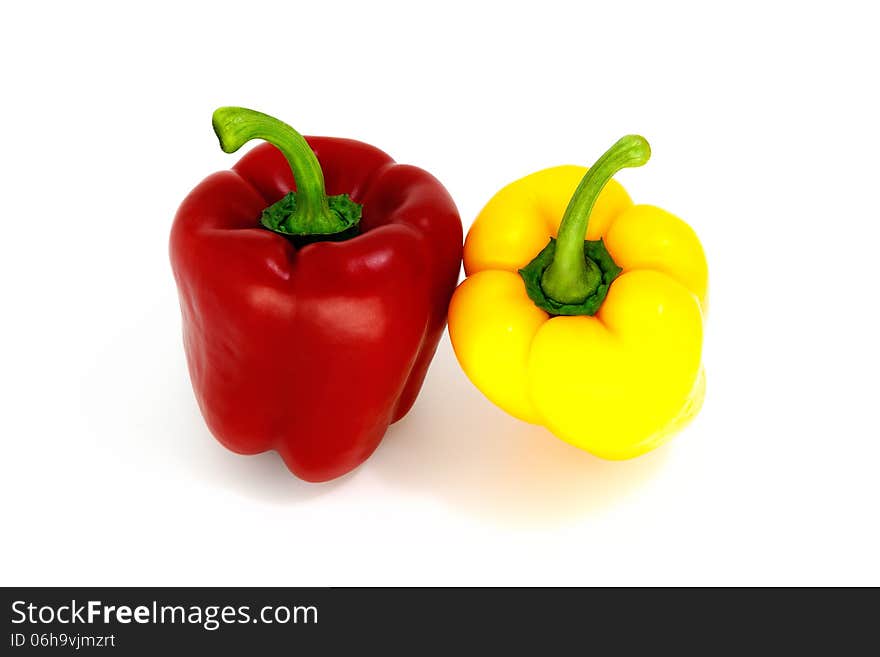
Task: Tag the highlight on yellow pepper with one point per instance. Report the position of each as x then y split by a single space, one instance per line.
583 312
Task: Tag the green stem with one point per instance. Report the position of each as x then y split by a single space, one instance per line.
308 212
572 277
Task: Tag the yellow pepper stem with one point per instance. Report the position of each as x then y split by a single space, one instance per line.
572 276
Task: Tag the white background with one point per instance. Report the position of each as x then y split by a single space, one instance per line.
763 121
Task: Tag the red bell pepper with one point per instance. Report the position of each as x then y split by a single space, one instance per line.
309 320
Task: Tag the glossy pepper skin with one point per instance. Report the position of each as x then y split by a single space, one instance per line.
615 371
311 350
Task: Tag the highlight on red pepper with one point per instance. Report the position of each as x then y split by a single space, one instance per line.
314 279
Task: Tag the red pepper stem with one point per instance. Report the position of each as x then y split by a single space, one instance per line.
235 126
572 277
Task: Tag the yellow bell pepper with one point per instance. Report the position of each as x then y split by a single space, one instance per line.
597 334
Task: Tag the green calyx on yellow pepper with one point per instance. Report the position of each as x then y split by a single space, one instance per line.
598 337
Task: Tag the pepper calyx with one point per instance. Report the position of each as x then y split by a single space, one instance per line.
340 223
598 260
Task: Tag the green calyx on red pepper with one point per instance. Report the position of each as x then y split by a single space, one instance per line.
572 275
308 214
